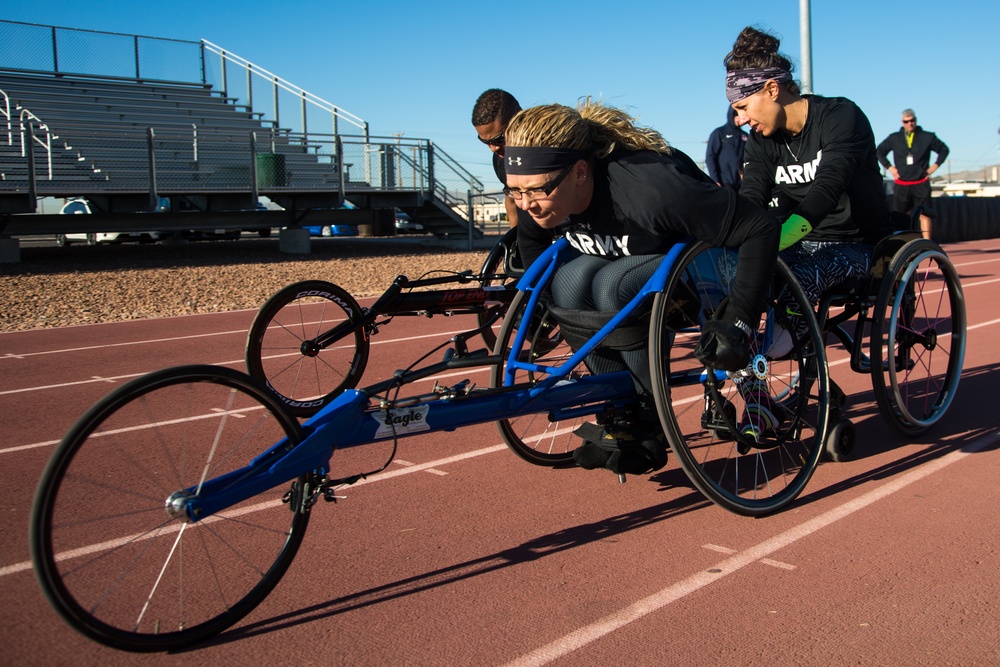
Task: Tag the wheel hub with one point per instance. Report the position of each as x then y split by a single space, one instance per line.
759 366
176 506
930 339
309 348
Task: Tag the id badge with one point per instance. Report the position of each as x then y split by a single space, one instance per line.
909 159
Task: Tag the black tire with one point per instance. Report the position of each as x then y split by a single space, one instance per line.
279 354
108 556
918 338
840 441
495 265
535 437
62 241
731 469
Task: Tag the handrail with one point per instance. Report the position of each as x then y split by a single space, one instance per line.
279 82
6 112
47 144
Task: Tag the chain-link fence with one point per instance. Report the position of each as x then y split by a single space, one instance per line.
272 137
42 48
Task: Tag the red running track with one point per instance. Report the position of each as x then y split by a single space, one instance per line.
462 554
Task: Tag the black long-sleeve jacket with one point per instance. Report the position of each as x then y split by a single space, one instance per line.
827 173
923 143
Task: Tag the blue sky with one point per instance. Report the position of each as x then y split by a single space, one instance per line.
417 68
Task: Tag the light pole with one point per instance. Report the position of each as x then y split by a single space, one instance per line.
805 37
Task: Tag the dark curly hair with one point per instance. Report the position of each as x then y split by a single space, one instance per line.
756 48
494 104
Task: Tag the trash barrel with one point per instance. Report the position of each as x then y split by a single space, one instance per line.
270 170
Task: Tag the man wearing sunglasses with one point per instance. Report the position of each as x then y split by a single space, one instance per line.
490 116
911 149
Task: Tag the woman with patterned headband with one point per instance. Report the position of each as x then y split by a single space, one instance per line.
814 154
622 197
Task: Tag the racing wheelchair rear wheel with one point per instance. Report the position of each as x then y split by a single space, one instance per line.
746 474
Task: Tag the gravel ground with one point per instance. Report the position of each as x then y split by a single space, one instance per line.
55 287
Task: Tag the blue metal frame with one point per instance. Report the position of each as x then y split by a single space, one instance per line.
350 421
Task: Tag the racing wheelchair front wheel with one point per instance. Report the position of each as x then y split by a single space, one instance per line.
749 440
112 554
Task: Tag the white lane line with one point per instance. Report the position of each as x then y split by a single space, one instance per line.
60 385
653 603
238 363
152 341
149 341
213 412
407 464
729 552
777 564
382 476
716 548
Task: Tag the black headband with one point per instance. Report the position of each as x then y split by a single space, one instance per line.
531 160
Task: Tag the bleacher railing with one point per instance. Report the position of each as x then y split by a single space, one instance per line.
200 159
195 161
242 87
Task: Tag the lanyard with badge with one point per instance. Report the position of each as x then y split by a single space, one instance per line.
909 145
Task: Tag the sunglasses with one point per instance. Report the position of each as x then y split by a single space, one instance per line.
909 121
495 141
540 192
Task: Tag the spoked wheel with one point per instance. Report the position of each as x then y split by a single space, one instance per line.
535 437
762 459
918 338
495 266
108 555
282 351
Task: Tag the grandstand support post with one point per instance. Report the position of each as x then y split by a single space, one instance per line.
277 112
430 166
154 199
250 86
204 72
341 176
305 127
10 250
468 198
32 186
254 192
55 52
225 78
135 50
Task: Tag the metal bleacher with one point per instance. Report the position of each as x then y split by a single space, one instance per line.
130 139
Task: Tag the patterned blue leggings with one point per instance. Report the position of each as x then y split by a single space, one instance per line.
821 265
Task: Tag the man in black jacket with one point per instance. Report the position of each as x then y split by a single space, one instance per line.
911 151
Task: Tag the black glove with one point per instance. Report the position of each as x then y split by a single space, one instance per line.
723 345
